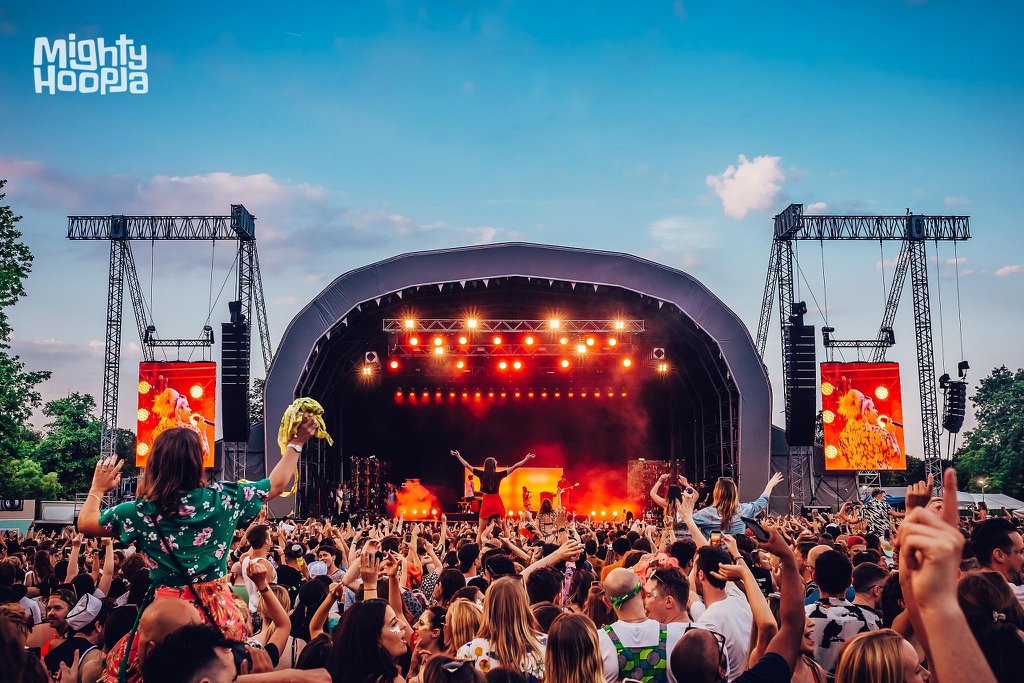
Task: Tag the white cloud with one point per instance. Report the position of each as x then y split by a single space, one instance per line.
816 208
749 186
1010 270
887 263
284 301
678 241
956 201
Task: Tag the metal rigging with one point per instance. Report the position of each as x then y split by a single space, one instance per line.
121 230
913 231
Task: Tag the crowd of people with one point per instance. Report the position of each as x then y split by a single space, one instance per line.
193 582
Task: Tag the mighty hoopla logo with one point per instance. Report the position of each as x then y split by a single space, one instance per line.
90 66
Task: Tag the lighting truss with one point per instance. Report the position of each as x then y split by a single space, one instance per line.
426 348
485 326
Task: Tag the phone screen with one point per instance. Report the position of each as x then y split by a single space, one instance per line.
716 537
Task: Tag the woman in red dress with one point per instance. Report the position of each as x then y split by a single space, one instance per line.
490 480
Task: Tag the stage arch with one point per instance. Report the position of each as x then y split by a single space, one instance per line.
721 394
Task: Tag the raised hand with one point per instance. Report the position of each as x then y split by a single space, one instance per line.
734 572
306 430
531 456
108 474
257 572
919 494
774 481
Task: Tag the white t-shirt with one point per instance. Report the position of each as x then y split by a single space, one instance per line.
250 586
32 609
640 634
479 651
734 620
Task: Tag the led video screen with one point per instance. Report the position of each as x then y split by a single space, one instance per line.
862 416
176 394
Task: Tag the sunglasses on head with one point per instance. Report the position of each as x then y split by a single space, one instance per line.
452 667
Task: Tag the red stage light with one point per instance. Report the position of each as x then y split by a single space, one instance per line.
543 394
612 341
438 341
503 365
517 394
461 364
438 350
517 365
426 395
623 394
490 394
570 394
530 395
465 394
414 341
451 394
563 341
558 394
503 394
471 323
496 341
597 394
583 394
398 394
564 363
528 341
437 395
590 341
463 341
433 511
555 324
626 363
477 395
410 324
581 348
393 364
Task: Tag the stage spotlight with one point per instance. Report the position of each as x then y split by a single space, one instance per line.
367 371
558 394
581 348
477 395
528 341
196 391
438 341
393 365
517 394
563 341
663 368
465 394
543 394
438 350
604 513
555 324
564 363
463 341
496 341
620 325
460 364
451 394
410 324
490 394
142 449
612 341
597 394
503 394
143 415
529 395
398 394
145 387
437 395
433 511
827 388
511 513
591 341
517 365
881 393
414 341
658 353
371 357
828 417
623 394
626 362
583 394
471 323
503 365
593 513
426 395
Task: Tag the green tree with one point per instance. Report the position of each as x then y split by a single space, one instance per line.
995 448
71 443
259 386
18 394
914 473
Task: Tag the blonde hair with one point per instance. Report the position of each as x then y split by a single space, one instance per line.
573 654
509 625
281 593
726 500
461 622
872 657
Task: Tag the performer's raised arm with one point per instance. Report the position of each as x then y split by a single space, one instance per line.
458 456
528 458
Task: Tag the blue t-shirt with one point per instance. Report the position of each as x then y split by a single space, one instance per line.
709 520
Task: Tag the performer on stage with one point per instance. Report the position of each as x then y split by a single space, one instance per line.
527 500
490 480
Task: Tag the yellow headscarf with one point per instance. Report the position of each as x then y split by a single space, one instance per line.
293 417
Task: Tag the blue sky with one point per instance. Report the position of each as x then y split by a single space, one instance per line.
356 131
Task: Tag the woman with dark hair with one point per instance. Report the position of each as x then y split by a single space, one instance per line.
490 481
996 619
369 640
450 582
430 639
725 510
579 589
311 595
443 669
186 525
546 524
42 576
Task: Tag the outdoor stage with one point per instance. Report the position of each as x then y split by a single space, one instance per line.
588 359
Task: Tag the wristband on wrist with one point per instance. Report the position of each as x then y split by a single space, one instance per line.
295 447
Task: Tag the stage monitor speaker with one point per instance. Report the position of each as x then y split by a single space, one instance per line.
12 505
234 381
808 510
801 388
